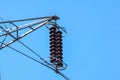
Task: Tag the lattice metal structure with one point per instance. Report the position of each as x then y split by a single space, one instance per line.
12 31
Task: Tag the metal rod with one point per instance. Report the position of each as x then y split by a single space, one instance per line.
53 17
23 20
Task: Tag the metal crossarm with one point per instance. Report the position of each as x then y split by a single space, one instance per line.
32 26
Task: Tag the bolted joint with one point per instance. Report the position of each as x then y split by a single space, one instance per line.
55 17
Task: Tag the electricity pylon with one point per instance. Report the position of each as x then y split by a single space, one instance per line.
11 32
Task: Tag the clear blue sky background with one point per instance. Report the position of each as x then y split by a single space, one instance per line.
91 48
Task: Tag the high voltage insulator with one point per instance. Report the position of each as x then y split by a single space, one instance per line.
53 45
59 49
56 47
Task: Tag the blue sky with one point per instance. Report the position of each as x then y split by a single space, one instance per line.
91 48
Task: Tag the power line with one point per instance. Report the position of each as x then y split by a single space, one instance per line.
35 53
57 71
29 57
